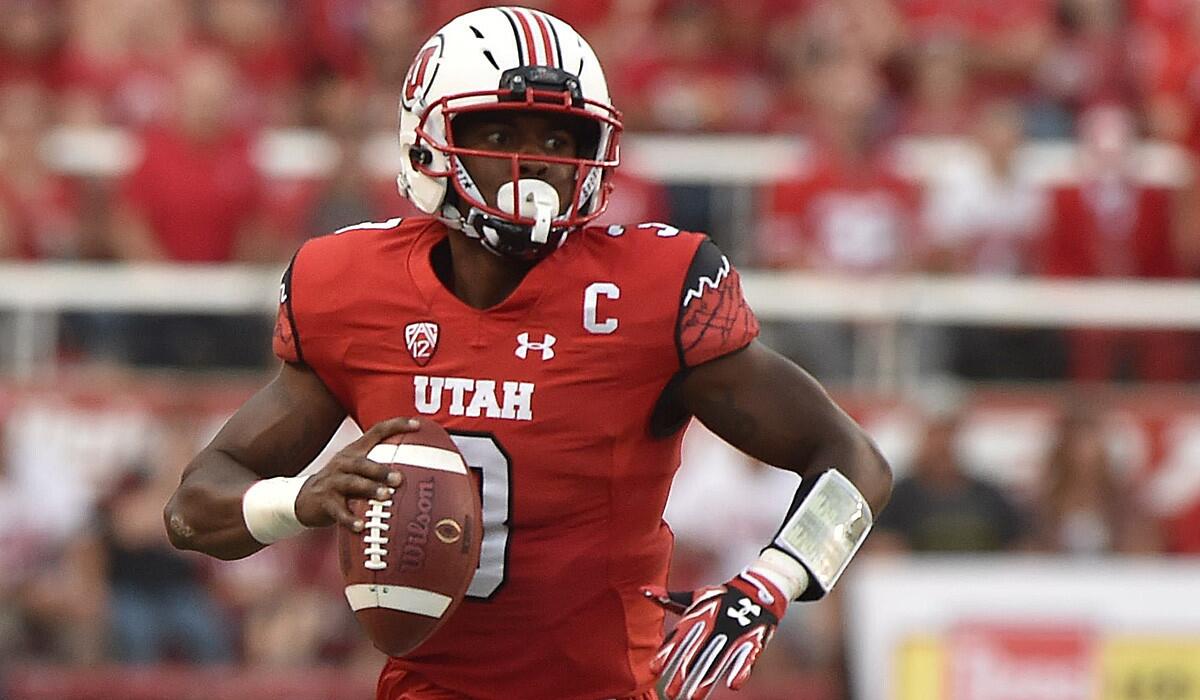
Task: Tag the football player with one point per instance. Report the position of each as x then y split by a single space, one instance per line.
565 360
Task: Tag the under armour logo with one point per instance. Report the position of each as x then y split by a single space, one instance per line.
743 615
546 346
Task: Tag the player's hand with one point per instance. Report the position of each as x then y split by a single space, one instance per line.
322 499
719 637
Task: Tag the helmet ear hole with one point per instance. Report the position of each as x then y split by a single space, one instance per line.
420 156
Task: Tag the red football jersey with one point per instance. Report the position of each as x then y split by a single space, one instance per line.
553 395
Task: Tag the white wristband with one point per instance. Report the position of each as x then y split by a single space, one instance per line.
782 570
269 508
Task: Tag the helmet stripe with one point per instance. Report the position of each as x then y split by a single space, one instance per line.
516 35
545 38
528 32
554 33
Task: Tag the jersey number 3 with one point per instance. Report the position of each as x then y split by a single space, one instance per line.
491 463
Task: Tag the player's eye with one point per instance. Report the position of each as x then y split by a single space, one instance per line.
560 143
497 138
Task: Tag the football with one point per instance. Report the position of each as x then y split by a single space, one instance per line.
410 567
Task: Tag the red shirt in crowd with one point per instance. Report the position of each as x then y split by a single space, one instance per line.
841 218
1118 231
195 198
43 220
1122 230
1169 63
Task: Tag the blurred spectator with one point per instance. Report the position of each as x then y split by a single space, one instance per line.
1085 507
258 37
39 209
195 197
93 58
939 99
370 40
985 213
291 604
21 547
683 82
312 203
391 38
1005 41
1111 225
1088 63
29 42
159 607
1167 54
51 593
940 507
850 213
122 58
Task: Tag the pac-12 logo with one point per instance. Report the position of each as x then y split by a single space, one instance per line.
421 338
423 71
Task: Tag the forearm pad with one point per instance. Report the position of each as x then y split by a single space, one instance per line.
827 523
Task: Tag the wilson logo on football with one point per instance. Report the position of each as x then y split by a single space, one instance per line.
421 338
412 556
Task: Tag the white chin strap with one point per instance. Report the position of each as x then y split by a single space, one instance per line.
538 201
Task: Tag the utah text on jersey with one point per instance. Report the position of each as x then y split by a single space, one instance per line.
474 398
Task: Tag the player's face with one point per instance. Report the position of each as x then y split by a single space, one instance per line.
530 134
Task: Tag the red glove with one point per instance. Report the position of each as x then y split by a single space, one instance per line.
721 633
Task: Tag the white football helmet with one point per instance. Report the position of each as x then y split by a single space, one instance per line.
501 58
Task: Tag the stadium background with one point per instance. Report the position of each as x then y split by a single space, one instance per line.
975 221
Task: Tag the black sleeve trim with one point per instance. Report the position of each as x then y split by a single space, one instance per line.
288 293
707 262
670 415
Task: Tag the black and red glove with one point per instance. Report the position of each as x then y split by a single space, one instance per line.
722 632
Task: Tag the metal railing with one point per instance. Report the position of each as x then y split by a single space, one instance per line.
36 295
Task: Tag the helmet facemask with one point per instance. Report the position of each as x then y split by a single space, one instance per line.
528 221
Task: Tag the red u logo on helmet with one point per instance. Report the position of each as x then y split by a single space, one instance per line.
416 74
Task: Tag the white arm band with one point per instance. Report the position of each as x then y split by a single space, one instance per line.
269 508
788 575
825 531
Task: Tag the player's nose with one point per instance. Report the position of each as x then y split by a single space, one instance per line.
533 148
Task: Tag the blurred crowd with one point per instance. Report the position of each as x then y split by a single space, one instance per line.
100 584
198 82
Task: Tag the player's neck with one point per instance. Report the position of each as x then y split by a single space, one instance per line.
479 278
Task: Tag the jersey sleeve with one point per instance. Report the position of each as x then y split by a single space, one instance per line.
286 342
714 318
